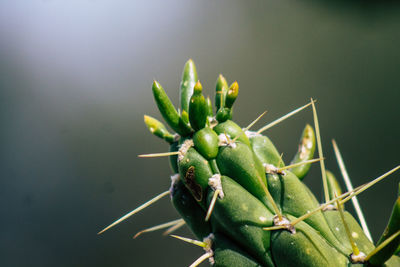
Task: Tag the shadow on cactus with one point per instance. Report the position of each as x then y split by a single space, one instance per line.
244 205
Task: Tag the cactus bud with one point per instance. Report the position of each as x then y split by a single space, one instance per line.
220 92
189 78
333 185
305 152
158 129
206 142
231 95
168 110
198 108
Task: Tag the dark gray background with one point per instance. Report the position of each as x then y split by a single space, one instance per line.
75 81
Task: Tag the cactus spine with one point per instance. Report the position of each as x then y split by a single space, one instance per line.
233 190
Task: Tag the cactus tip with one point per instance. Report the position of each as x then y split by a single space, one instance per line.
234 86
198 87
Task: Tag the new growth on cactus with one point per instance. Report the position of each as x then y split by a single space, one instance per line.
247 207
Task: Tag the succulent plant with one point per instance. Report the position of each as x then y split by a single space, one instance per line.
243 204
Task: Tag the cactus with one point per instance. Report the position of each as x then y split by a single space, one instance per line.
243 204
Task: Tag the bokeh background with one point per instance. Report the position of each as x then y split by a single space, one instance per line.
75 81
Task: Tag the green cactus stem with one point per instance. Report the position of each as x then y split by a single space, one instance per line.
198 108
247 208
220 92
158 129
391 229
168 110
305 152
189 79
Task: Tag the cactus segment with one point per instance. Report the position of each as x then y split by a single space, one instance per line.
231 95
168 110
158 129
224 114
265 150
220 92
275 188
189 209
195 171
232 130
306 246
206 142
244 216
227 254
336 224
328 204
305 152
358 235
198 108
334 188
356 256
239 163
189 79
224 99
393 226
209 107
296 201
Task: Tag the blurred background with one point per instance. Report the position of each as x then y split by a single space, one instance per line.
75 82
